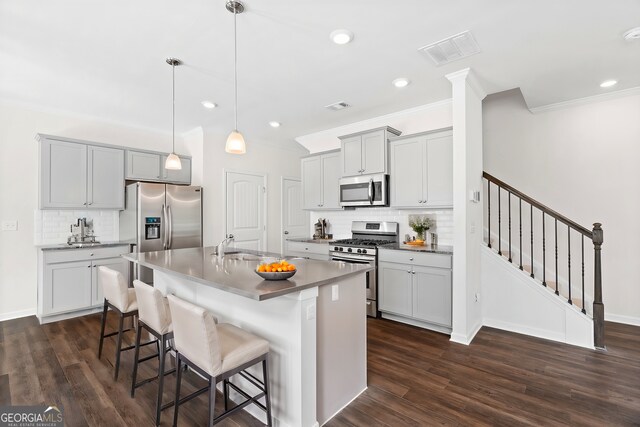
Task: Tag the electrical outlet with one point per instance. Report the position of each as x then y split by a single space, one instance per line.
334 293
10 225
477 297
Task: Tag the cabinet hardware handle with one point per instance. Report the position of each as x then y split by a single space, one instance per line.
413 272
91 254
88 266
410 259
408 271
85 203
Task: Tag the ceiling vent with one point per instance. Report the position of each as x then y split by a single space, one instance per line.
337 106
452 48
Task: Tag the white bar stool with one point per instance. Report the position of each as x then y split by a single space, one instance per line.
217 352
155 317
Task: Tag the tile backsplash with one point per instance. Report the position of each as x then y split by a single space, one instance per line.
339 222
53 226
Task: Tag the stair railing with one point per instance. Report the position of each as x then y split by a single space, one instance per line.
595 235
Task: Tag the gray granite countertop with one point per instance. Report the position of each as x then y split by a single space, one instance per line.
305 240
62 246
235 272
438 249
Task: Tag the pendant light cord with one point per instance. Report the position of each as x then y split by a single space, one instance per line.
235 65
173 109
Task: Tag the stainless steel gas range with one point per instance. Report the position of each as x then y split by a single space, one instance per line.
362 248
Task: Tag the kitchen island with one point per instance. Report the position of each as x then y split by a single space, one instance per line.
315 322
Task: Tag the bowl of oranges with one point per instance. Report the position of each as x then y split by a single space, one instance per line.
280 270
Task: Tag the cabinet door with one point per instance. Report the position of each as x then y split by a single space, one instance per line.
394 288
330 181
352 156
311 183
432 295
105 186
118 264
374 152
67 287
63 179
143 165
407 173
439 177
181 176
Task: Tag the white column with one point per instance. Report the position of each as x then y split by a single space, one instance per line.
467 97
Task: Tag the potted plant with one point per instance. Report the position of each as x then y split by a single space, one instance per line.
420 224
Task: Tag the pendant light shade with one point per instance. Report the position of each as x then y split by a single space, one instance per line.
235 141
173 161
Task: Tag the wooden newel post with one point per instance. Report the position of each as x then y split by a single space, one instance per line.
598 306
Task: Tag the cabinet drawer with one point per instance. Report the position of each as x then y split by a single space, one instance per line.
415 258
69 255
303 247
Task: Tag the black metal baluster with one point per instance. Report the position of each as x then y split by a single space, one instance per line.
556 243
544 253
520 214
499 224
509 226
583 301
489 212
531 209
569 260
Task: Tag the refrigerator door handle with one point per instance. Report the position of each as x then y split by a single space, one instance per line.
170 229
165 227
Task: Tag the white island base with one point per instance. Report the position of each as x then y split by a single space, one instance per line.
317 359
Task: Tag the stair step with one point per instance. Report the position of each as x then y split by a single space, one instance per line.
576 301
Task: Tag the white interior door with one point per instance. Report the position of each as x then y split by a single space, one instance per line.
246 210
295 221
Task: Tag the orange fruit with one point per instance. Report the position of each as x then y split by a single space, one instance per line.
280 269
291 267
267 269
262 269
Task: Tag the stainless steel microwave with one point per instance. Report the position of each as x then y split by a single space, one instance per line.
364 190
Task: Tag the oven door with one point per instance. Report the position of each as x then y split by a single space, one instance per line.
371 280
366 190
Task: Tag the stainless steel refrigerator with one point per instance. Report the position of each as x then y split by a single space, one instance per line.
159 217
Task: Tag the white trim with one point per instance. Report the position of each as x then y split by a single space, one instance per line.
586 100
374 121
519 329
467 339
618 318
17 314
264 201
470 78
348 403
282 180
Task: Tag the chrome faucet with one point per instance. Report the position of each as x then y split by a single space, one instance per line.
82 223
222 245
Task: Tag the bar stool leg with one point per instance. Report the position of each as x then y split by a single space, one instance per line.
176 404
267 396
212 400
119 345
135 360
225 390
102 325
162 352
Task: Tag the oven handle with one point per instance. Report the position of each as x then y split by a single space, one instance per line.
371 191
351 260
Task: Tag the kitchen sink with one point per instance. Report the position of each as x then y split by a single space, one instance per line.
242 256
84 245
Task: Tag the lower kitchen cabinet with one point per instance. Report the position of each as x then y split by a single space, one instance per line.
319 251
68 280
415 288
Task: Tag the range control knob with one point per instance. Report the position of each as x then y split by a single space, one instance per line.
335 248
341 249
359 251
349 250
364 251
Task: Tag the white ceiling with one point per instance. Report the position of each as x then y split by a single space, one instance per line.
107 58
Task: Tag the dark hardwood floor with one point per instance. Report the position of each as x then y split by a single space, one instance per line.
416 378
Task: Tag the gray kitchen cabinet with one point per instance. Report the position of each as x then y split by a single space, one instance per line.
320 181
365 152
180 176
422 170
142 165
415 288
74 175
312 250
68 280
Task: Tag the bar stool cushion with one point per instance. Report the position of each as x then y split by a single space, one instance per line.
116 291
238 346
153 307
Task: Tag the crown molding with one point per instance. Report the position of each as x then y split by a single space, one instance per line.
470 78
586 100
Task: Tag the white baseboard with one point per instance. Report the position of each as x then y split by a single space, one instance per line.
617 318
466 339
17 314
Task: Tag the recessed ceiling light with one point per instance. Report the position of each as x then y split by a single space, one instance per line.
401 82
341 36
632 34
274 124
209 104
608 83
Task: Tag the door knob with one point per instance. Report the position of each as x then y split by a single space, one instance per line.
230 236
286 232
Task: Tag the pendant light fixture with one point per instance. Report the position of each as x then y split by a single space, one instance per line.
235 140
173 161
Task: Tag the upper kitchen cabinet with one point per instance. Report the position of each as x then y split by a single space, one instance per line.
366 152
149 166
74 175
422 170
320 181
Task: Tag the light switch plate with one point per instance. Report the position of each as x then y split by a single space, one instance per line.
335 293
311 311
10 225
